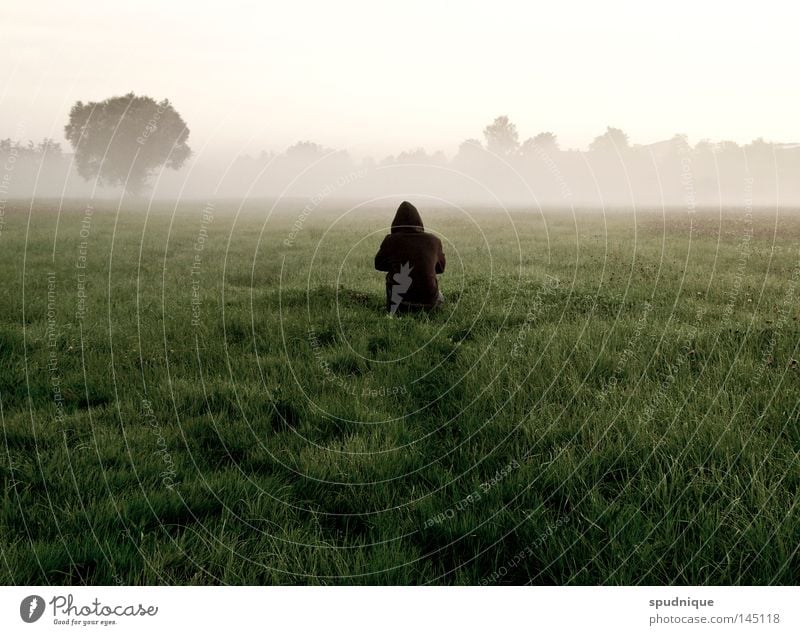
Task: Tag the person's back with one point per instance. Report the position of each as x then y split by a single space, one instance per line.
411 259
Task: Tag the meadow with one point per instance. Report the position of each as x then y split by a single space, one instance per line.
202 393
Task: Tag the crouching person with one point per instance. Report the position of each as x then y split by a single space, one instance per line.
411 259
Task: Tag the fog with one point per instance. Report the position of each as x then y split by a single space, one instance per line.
363 101
535 172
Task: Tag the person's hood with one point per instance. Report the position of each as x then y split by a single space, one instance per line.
407 219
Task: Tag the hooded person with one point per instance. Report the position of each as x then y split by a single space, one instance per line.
411 259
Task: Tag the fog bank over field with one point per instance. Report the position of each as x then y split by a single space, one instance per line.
502 103
497 171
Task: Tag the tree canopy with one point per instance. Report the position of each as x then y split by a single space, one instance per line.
501 137
122 141
612 140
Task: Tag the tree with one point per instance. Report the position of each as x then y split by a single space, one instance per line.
501 137
45 149
760 150
547 141
612 140
542 142
307 151
679 144
122 141
470 148
704 147
421 157
470 156
728 148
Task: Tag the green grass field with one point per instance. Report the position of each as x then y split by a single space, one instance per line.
606 398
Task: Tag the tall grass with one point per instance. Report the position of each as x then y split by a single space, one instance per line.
605 398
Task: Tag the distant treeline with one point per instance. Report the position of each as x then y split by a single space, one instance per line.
497 170
22 164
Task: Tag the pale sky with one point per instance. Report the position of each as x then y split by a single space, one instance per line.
382 77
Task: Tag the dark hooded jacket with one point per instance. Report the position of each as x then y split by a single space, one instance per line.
411 259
